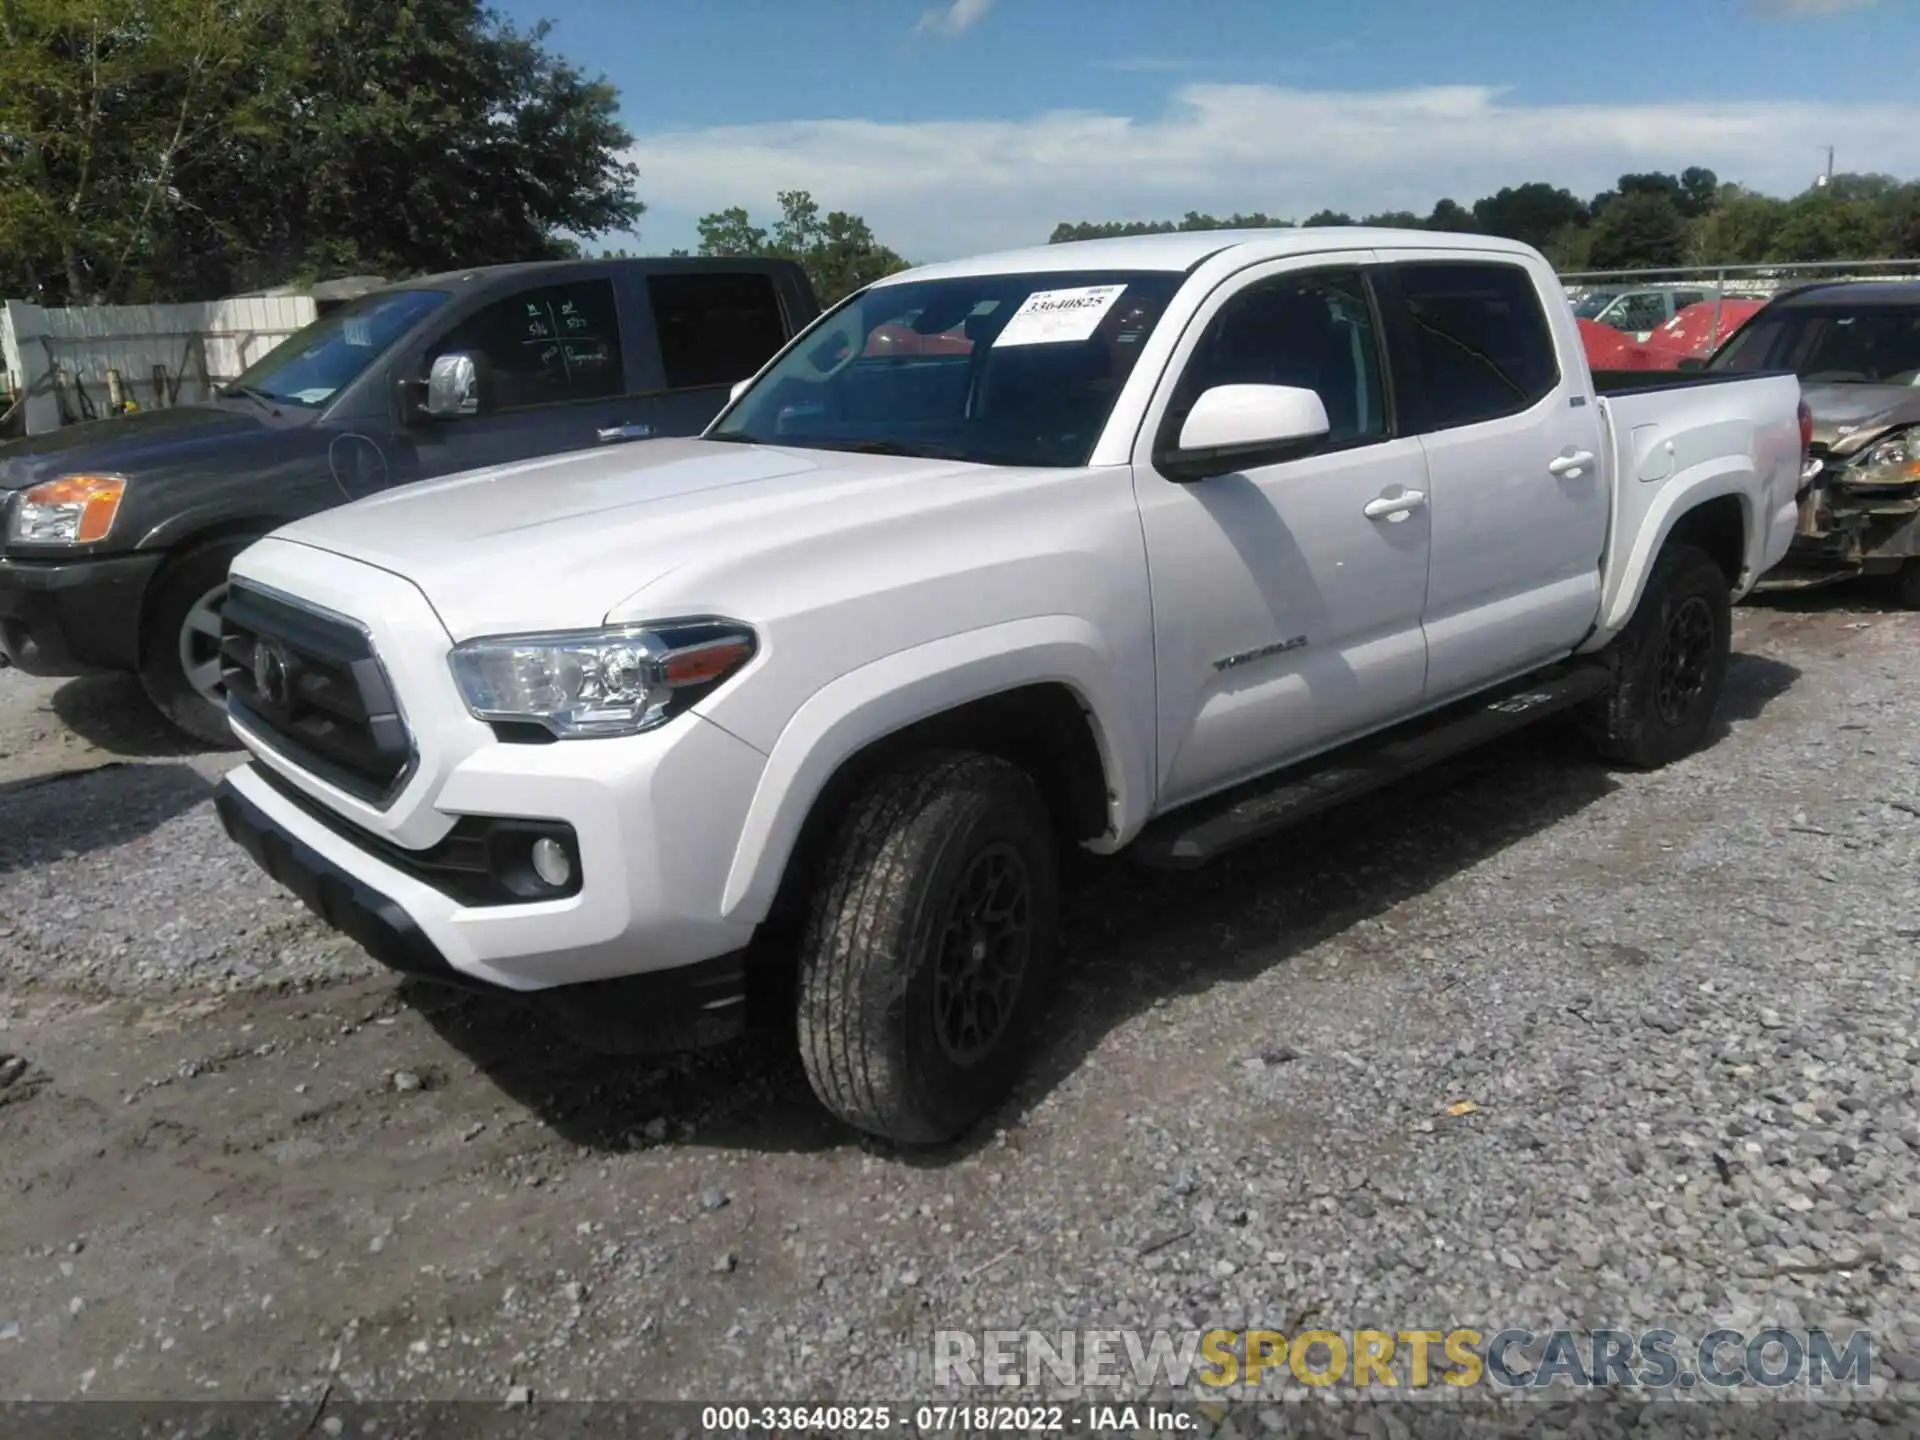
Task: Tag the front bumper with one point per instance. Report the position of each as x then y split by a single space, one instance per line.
1843 532
699 1004
68 617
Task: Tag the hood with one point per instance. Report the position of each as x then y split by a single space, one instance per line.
559 543
127 444
1847 418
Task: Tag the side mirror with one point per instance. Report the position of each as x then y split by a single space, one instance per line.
1691 362
1232 427
739 389
453 387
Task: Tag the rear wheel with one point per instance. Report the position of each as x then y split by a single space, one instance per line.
1670 664
929 948
180 642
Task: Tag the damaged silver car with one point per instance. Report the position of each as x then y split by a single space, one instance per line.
1856 348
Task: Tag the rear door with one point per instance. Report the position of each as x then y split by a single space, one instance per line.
1512 440
557 378
710 330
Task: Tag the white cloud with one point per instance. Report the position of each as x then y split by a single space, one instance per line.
935 189
1802 8
955 19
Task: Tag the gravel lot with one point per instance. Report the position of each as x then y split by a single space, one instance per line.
237 1161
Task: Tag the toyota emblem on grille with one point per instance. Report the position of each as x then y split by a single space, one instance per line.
272 675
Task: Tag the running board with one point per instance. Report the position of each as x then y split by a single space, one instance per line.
1191 836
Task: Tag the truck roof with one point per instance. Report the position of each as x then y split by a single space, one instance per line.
1182 250
527 269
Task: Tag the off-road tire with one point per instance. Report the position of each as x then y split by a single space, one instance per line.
903 870
1636 724
175 593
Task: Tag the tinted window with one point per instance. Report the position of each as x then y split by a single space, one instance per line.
715 329
1830 346
545 346
993 369
1636 313
1314 332
1481 338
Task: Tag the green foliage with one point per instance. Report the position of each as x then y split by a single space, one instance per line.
1651 220
1533 213
172 149
1193 220
1637 228
837 250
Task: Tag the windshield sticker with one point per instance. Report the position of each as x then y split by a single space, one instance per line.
1050 317
358 332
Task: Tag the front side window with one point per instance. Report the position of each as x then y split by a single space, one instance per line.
544 346
1481 339
1637 313
1314 332
317 362
715 328
1003 369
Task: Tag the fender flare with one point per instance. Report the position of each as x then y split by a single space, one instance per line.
885 696
1733 475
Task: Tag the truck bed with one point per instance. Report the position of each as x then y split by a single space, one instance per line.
1641 382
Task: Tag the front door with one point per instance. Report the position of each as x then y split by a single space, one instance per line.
1520 504
1286 598
554 379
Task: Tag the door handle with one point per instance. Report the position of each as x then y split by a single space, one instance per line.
613 434
1572 466
1395 508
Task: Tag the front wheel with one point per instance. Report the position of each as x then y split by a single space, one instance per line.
929 948
1670 664
180 643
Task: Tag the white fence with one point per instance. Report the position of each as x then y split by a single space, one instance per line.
64 366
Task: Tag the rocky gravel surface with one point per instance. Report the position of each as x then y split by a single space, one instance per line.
1523 1044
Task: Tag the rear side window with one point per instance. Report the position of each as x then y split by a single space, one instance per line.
1481 338
715 329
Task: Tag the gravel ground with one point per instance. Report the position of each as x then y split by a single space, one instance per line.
1526 1043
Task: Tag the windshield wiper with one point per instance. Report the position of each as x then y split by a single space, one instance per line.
266 402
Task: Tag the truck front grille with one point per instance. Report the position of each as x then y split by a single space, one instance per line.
311 685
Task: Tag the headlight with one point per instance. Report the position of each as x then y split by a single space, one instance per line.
73 510
617 681
1892 461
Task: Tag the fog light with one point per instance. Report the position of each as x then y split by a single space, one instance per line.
552 863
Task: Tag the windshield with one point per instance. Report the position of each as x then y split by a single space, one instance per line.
1830 345
992 369
1590 306
314 364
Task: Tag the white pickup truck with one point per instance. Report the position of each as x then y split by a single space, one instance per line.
1149 545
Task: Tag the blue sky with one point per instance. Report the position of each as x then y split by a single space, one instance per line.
965 124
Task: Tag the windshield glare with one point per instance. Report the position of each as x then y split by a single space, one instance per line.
314 364
992 369
1830 346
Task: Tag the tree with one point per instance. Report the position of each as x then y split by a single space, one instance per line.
1640 228
1822 226
837 250
102 107
1739 230
1530 213
1451 215
166 149
1328 217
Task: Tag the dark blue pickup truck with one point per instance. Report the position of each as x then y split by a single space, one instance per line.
118 533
